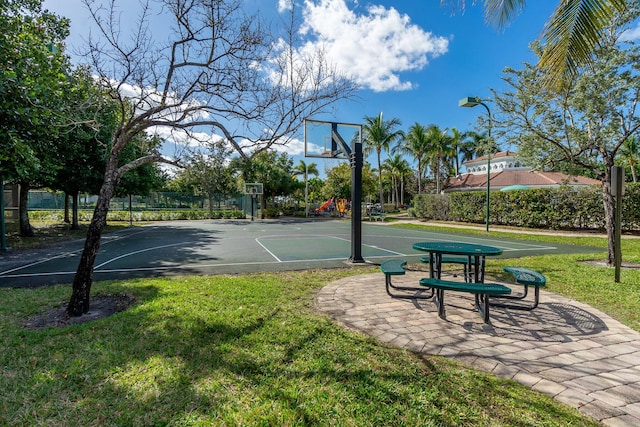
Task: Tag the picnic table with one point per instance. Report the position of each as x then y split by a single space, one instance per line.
475 254
377 216
475 284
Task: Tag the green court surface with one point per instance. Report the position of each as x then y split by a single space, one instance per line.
240 246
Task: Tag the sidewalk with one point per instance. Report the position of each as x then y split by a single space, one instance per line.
564 348
481 227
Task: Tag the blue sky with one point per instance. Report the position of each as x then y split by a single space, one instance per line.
413 59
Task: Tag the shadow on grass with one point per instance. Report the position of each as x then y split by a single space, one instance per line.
202 356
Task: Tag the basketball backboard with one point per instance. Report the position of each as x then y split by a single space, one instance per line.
253 188
330 140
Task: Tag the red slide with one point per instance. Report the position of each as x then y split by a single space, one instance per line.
325 205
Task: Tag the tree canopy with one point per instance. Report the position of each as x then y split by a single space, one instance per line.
33 83
582 127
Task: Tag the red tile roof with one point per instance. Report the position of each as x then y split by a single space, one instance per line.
493 156
517 177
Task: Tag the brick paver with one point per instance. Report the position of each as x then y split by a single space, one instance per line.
563 348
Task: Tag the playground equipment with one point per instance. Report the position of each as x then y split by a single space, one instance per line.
334 204
325 205
342 206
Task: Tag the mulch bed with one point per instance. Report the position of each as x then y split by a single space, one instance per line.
101 306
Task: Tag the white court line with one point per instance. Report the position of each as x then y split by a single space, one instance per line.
375 247
257 239
108 239
55 273
487 242
287 237
189 266
5 273
138 252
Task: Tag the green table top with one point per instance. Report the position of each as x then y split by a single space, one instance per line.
457 248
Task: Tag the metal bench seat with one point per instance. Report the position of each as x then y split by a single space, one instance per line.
481 291
525 277
396 267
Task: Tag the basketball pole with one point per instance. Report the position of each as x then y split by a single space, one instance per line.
340 149
356 203
356 161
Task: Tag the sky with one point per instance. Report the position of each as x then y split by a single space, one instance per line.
413 59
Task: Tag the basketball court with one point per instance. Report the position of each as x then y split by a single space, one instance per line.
244 246
239 246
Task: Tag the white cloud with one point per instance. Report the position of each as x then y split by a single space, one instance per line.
284 5
293 147
146 98
181 138
374 47
631 34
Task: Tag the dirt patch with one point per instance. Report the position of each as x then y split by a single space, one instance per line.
603 263
101 306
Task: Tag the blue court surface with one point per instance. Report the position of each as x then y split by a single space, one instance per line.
227 247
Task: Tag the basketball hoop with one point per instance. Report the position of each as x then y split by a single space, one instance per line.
253 189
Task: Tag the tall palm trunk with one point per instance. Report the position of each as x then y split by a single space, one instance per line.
380 182
419 176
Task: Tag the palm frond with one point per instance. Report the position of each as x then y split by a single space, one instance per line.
500 13
573 32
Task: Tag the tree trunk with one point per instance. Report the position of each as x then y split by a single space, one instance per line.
81 288
438 174
25 226
419 176
66 209
380 183
74 215
395 191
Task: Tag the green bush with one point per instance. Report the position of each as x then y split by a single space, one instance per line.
431 206
272 212
147 215
552 208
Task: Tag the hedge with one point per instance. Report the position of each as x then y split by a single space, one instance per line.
564 207
146 215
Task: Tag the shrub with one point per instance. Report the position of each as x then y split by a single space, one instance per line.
431 206
146 215
272 213
565 207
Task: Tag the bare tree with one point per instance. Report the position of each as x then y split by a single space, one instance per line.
216 69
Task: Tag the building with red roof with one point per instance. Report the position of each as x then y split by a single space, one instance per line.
508 172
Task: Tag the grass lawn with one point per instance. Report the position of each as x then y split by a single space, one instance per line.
251 350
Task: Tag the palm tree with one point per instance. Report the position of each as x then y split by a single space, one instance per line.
457 139
305 169
470 145
477 144
416 144
379 135
575 29
440 146
630 150
397 167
